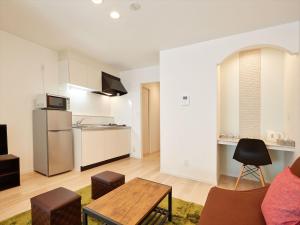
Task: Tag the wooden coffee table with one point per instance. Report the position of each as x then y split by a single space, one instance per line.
131 204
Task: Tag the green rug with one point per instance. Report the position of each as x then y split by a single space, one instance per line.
183 212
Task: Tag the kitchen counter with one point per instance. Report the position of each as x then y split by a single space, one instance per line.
99 127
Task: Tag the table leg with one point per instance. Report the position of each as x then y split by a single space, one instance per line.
84 218
170 206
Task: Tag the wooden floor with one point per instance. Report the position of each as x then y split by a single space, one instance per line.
17 200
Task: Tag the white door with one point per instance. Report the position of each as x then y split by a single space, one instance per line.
145 121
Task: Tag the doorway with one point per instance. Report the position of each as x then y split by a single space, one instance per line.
150 113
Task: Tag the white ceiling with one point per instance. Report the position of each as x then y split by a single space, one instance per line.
135 39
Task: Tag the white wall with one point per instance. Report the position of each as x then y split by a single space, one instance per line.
127 109
23 67
188 134
272 90
229 96
86 103
291 93
292 102
21 75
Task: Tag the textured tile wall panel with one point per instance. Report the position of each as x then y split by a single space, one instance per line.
250 92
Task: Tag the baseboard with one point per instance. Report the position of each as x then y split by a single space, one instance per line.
83 168
206 181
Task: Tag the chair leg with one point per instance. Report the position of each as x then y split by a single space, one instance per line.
239 178
261 176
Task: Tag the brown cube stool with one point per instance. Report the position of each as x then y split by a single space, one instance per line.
104 182
57 207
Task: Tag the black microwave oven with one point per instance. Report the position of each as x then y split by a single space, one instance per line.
49 101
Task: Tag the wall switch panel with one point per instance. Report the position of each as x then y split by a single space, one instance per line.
185 100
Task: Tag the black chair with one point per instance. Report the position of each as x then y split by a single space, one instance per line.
253 153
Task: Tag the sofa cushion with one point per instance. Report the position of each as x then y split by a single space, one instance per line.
281 204
227 207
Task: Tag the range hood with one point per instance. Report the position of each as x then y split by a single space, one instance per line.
111 86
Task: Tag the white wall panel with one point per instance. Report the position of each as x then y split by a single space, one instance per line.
249 93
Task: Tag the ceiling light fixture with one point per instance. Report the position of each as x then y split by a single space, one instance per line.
97 1
114 15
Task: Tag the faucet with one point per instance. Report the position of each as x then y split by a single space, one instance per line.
79 122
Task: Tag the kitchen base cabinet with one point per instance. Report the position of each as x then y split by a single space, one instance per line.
94 147
84 168
116 143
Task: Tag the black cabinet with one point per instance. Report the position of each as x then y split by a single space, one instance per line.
9 171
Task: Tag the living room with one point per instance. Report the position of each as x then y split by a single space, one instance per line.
225 73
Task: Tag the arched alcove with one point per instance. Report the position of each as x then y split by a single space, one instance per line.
237 50
257 98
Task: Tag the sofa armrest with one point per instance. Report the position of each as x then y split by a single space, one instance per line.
295 168
228 207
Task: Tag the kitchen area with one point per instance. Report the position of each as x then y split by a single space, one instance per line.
64 139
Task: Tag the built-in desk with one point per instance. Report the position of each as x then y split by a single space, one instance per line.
271 146
280 156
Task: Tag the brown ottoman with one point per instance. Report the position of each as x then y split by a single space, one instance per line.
57 207
105 182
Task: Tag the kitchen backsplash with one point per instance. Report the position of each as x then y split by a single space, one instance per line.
89 119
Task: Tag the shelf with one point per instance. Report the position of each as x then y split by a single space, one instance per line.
271 146
9 174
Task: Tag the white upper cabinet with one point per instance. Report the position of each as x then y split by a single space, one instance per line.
78 73
94 78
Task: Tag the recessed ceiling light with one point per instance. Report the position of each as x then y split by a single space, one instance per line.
97 1
114 15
